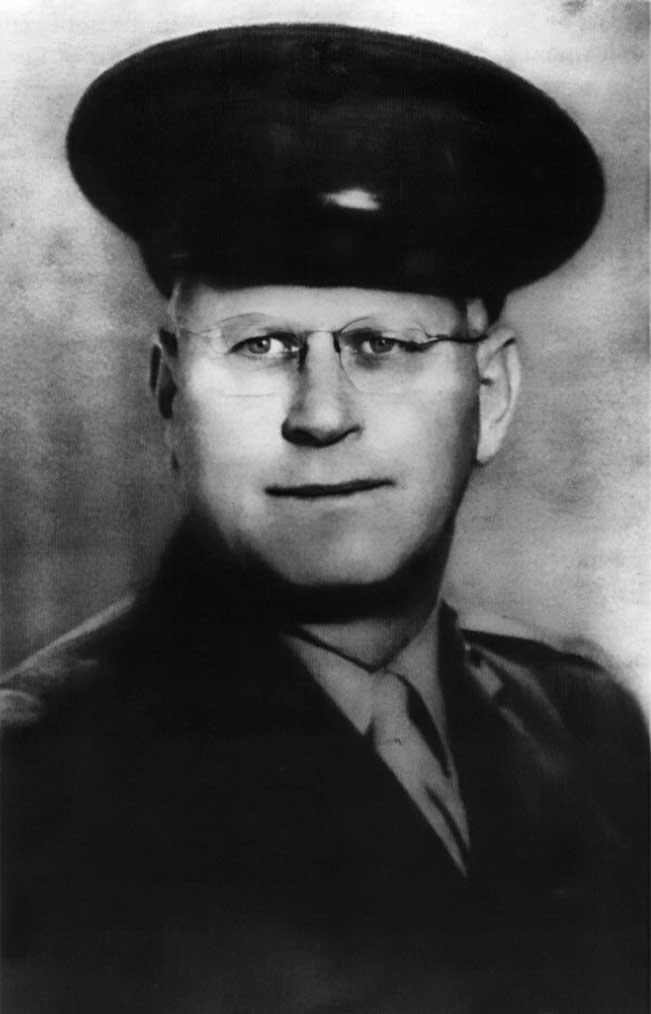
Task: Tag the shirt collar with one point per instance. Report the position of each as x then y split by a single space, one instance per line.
350 685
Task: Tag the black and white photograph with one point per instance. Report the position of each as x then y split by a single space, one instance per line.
324 480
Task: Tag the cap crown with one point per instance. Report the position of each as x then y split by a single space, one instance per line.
330 155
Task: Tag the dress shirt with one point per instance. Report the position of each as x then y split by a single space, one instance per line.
375 702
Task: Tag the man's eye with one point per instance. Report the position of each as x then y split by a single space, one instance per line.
372 343
268 346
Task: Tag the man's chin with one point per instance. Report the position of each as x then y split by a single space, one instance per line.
334 568
348 590
337 586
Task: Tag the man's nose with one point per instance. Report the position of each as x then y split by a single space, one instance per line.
323 408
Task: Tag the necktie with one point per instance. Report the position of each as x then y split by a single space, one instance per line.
407 739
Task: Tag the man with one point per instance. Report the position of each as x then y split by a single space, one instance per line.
283 779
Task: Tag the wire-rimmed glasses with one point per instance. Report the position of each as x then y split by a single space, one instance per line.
257 354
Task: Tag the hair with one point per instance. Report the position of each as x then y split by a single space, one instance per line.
493 302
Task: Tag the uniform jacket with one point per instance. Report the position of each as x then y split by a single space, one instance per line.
190 825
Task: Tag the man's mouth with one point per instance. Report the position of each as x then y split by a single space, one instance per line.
314 491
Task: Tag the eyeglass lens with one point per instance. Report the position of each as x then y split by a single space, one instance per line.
256 355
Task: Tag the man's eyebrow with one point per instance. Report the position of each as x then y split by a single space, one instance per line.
263 319
404 317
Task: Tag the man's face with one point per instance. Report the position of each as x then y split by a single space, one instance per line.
318 481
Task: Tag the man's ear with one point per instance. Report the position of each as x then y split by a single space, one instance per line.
498 366
164 353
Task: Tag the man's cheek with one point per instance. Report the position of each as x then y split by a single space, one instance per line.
446 460
445 432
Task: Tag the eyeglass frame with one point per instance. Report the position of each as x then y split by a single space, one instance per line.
169 341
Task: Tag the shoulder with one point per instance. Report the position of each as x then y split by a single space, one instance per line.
68 667
568 709
528 671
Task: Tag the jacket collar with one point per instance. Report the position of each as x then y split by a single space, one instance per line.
513 758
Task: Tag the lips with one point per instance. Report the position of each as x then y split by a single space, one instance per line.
315 491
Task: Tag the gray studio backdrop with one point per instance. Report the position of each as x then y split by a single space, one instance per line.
554 533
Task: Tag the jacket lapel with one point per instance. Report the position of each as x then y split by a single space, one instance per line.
532 827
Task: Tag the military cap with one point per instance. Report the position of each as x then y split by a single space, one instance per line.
322 154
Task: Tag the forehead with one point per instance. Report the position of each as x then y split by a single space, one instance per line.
198 304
